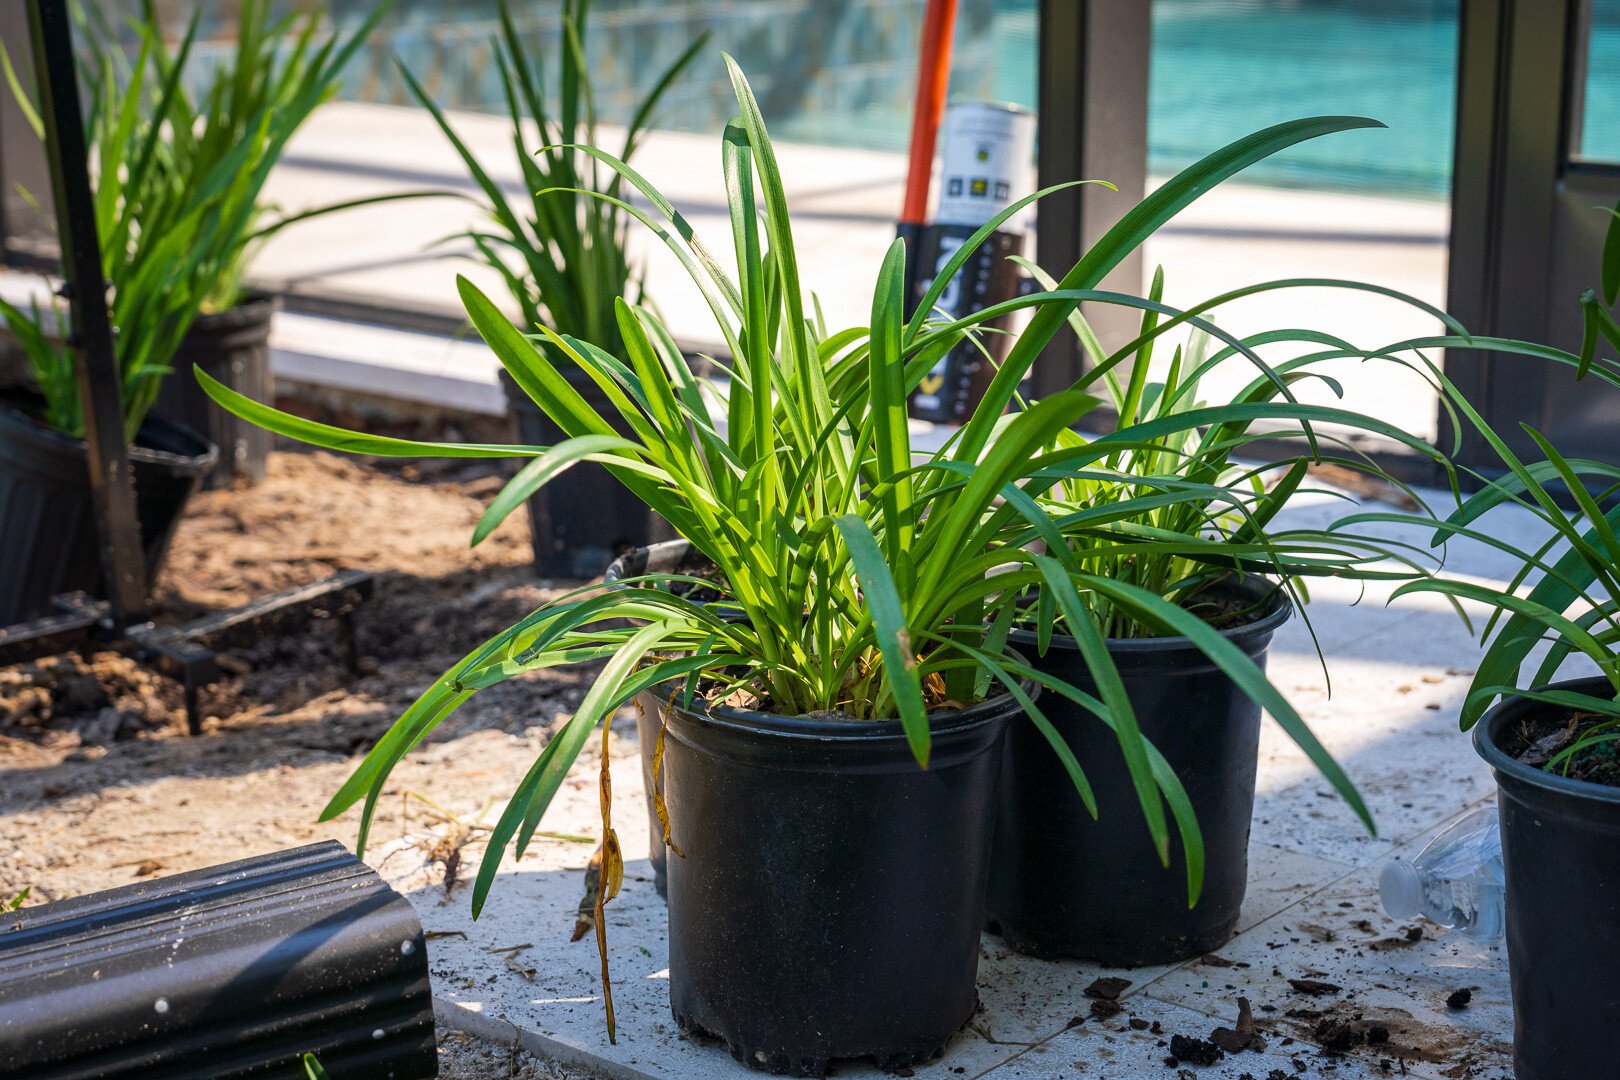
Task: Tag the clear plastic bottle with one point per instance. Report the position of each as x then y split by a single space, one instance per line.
1456 880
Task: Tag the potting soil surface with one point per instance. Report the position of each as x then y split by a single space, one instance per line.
99 786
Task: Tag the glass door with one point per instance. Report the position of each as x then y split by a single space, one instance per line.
1538 156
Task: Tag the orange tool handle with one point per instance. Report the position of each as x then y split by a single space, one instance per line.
933 80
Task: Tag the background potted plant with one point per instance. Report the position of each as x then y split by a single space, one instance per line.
874 588
1168 507
178 209
564 259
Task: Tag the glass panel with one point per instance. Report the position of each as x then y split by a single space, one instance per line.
1600 98
835 79
828 72
1365 205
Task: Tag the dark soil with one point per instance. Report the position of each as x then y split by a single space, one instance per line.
97 776
1543 735
1217 605
1195 1051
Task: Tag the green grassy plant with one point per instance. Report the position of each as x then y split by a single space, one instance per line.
1565 592
1171 507
875 580
179 182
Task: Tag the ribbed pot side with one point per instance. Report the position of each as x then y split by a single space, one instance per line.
51 543
1561 861
828 895
1065 885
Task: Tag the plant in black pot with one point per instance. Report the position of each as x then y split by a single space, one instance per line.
177 186
181 150
1553 744
1167 505
830 729
563 257
1553 747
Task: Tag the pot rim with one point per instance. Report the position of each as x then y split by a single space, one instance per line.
1484 736
668 555
67 444
944 722
256 303
1282 608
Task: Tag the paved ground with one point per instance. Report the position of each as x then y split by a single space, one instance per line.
1399 676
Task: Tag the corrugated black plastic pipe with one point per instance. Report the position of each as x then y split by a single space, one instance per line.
232 971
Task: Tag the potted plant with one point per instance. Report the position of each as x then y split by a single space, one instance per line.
564 259
830 731
1553 744
178 208
1164 505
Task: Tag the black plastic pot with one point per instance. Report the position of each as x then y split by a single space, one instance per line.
1561 861
234 347
668 557
1065 885
828 897
46 517
583 519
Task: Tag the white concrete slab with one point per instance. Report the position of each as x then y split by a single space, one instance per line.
548 999
1312 909
1117 1051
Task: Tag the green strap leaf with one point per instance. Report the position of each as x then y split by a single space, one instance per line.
893 635
541 471
351 442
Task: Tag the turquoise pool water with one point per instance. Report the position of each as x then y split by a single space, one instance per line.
840 72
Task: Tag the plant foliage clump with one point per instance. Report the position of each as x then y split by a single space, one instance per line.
860 574
178 182
563 257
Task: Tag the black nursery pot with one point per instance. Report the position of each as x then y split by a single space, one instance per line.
1065 885
583 518
1561 861
234 347
829 893
50 541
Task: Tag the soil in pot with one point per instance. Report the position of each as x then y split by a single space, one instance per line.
1065 885
826 894
1561 862
234 347
46 511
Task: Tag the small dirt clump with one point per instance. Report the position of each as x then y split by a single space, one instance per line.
1242 1037
1195 1051
1314 987
1107 988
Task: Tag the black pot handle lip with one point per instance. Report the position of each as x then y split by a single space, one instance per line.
1498 759
664 557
